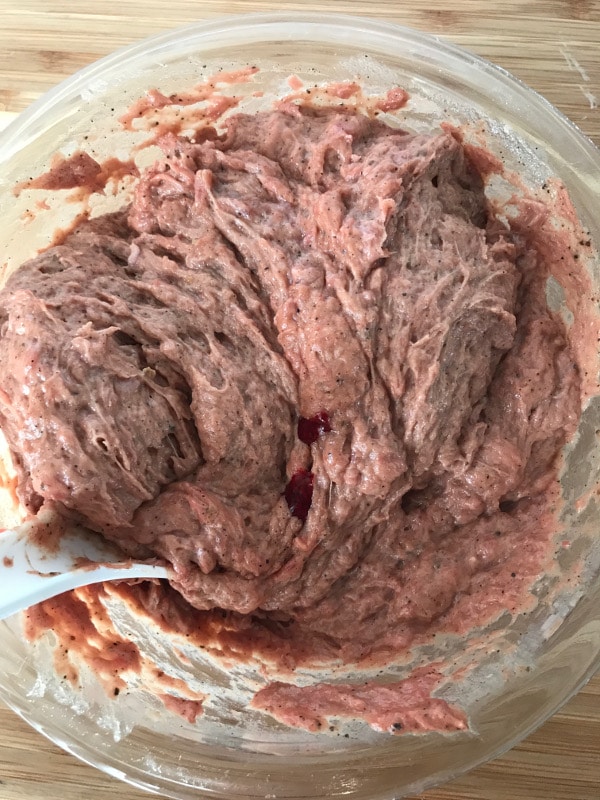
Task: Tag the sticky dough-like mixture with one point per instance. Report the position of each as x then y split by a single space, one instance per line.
307 366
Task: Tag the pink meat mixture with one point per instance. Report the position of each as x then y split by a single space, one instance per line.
310 369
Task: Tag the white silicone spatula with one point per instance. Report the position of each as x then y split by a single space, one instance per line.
29 573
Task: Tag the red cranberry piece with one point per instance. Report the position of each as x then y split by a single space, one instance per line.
299 492
310 429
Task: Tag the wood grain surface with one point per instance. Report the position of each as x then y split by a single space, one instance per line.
554 46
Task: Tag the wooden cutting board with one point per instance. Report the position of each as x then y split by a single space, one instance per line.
554 46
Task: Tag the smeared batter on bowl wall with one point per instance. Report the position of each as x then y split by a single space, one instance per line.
311 369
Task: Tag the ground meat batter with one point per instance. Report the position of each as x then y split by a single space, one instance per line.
308 367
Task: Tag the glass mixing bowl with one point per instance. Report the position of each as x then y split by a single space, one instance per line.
537 660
